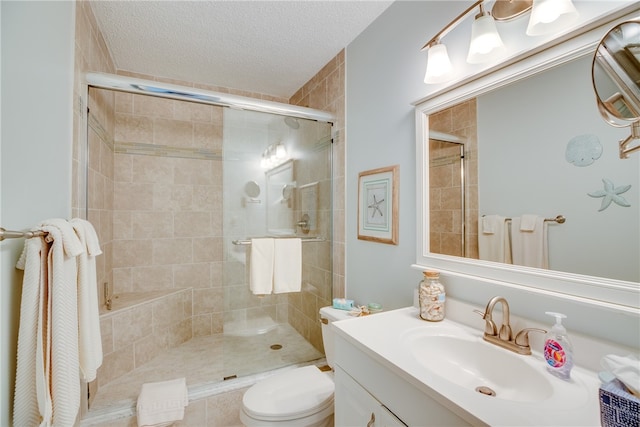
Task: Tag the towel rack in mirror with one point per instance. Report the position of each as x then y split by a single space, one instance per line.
247 242
560 219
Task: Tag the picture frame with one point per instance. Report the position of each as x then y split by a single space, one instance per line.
378 205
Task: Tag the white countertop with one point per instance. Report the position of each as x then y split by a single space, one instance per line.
383 337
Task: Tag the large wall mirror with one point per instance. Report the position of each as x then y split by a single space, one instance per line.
534 143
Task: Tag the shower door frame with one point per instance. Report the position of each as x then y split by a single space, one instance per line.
176 92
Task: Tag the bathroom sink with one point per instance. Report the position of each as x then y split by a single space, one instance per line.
447 361
474 364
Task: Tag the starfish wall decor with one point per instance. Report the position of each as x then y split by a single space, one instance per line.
611 193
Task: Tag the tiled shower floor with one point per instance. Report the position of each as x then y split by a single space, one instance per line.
210 359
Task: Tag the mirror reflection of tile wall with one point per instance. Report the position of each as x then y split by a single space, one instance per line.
445 202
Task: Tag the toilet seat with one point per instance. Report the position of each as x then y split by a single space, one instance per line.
290 395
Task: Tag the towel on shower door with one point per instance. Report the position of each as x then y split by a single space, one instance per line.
529 243
89 340
162 403
287 268
493 239
261 266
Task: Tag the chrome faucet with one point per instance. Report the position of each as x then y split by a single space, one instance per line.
503 336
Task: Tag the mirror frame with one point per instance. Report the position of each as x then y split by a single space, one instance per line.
617 294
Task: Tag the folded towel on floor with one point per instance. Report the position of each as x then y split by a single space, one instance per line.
261 267
287 268
162 403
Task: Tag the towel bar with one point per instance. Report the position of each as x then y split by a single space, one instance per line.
560 219
9 234
247 242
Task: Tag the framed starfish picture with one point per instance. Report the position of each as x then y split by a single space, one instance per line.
378 205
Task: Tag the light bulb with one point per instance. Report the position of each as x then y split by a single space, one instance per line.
486 43
551 16
281 152
439 68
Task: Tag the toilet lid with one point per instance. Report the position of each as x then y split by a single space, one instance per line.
289 395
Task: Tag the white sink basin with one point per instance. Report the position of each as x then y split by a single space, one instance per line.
477 365
448 360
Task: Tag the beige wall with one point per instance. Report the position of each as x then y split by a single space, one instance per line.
325 91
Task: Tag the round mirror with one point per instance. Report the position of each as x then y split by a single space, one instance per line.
616 74
252 189
287 191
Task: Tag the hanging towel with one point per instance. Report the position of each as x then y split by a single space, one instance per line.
490 223
287 270
63 284
493 239
55 379
89 340
261 267
162 403
32 398
528 222
529 244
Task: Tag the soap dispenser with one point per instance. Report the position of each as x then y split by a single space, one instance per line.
558 351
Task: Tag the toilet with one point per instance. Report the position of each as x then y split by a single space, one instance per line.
301 397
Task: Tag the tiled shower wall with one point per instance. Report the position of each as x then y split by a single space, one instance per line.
167 225
92 54
325 91
445 202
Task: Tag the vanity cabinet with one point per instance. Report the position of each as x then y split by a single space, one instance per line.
354 406
366 387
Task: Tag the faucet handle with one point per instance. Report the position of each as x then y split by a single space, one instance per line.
522 337
505 332
490 326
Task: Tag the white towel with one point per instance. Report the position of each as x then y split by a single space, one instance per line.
528 222
32 398
530 247
162 403
490 223
90 343
49 328
287 270
261 267
63 300
493 239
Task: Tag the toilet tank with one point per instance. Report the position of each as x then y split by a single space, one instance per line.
328 315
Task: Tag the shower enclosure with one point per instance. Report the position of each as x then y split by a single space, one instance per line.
177 185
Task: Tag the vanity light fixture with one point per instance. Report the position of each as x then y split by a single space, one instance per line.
274 155
547 16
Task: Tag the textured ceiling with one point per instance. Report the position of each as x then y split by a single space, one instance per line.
270 47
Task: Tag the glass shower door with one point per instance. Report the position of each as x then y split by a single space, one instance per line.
276 183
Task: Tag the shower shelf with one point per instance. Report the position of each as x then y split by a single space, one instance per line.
128 300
